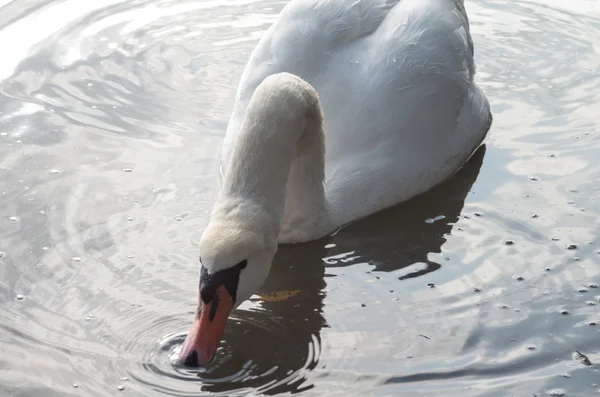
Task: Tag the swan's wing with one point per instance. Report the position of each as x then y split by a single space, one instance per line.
306 40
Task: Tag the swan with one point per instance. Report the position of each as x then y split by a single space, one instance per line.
344 108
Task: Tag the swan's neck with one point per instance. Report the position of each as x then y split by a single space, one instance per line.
274 179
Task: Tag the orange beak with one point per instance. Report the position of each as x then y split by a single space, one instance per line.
203 339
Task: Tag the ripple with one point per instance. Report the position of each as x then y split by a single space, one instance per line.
231 373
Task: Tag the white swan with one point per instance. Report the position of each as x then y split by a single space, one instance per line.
394 111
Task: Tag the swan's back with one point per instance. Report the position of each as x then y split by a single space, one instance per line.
395 79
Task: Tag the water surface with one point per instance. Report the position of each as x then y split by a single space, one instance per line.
111 117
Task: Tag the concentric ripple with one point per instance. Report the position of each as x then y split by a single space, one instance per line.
235 370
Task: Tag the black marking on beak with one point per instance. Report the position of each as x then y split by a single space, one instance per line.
210 283
213 308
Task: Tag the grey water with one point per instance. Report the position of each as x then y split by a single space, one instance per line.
111 117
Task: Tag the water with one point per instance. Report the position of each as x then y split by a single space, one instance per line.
111 115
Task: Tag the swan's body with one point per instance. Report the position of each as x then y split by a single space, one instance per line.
394 111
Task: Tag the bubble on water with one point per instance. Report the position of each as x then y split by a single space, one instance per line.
178 218
593 285
20 297
89 317
55 171
129 218
556 392
531 347
534 215
2 254
76 259
519 278
121 387
127 169
564 312
329 246
75 385
571 246
14 219
503 306
534 178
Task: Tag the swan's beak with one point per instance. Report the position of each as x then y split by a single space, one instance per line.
203 339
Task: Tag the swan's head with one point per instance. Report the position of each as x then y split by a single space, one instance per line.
234 263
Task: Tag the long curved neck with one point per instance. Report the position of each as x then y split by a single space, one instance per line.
274 179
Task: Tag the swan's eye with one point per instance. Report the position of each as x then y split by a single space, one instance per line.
229 278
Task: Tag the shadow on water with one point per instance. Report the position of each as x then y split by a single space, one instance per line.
392 240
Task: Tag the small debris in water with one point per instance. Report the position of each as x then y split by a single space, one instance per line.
531 347
75 385
431 285
121 387
508 242
54 171
125 378
534 215
582 290
519 278
564 312
363 305
2 254
593 285
582 358
503 306
534 178
571 246
20 297
556 392
424 336
547 269
329 246
477 213
592 323
435 218
477 289
127 169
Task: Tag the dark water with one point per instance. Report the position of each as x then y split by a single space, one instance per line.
111 116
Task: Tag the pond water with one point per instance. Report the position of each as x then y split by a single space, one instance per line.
111 117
